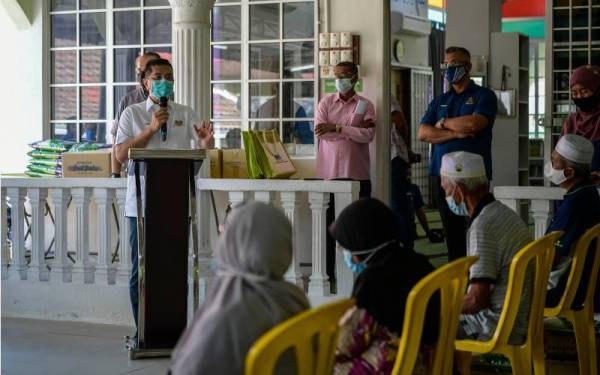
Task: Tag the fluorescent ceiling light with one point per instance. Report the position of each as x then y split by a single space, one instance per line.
303 67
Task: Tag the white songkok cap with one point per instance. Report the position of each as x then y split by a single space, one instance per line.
575 148
461 164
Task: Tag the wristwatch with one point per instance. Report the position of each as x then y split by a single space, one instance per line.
115 175
338 128
442 122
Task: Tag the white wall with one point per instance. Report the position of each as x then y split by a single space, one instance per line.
21 91
470 23
416 47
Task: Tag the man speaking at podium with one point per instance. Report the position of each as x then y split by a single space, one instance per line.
158 124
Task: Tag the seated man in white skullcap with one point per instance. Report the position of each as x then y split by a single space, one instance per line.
579 211
496 234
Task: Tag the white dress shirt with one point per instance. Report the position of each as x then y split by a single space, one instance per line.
180 135
398 146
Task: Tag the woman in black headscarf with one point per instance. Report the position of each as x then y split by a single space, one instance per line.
367 230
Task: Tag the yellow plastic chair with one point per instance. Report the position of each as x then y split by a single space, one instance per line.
583 319
541 254
298 333
451 281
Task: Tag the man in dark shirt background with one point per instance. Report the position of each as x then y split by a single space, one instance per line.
461 119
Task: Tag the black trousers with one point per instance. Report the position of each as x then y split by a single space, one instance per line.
554 295
365 192
455 226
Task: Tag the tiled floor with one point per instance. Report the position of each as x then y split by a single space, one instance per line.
436 252
32 347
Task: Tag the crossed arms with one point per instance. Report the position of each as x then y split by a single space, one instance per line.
454 128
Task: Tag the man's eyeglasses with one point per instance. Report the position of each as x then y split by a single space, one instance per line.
344 76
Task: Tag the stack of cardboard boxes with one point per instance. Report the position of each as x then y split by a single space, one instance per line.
228 163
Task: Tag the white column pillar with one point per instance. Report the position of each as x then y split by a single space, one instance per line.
319 284
191 53
83 269
4 249
104 268
267 197
205 225
124 266
37 265
17 217
62 266
191 62
540 210
238 197
344 277
290 203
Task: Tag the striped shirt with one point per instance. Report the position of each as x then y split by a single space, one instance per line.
496 234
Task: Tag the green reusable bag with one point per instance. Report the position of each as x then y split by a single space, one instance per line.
252 163
273 157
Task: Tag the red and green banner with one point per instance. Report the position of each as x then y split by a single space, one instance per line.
523 8
525 17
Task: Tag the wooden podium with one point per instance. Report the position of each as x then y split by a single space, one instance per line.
166 178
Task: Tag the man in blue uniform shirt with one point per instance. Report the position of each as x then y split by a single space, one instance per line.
461 119
579 211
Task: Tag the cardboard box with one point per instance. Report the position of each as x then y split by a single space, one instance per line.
234 163
216 163
87 163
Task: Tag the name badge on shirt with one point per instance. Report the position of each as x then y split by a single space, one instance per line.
178 122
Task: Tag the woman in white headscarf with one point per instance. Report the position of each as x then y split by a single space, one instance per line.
249 295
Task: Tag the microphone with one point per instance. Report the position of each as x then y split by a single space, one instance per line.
163 128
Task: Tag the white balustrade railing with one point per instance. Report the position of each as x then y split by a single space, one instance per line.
297 198
45 197
538 202
74 231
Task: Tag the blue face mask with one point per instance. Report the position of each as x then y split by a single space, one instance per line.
457 209
162 88
343 85
362 265
354 267
455 73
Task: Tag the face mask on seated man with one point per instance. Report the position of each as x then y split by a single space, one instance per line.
573 153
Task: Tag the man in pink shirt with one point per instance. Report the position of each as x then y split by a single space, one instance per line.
345 125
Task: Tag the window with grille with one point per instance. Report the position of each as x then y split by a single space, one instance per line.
264 71
537 88
93 47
